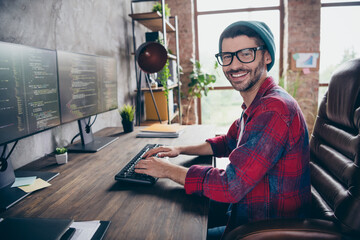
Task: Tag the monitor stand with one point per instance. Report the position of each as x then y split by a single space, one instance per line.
7 175
89 143
11 195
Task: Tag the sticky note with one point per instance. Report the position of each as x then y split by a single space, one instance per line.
23 181
38 184
306 70
295 56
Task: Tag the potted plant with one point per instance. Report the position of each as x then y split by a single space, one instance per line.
200 83
61 155
127 113
164 76
157 7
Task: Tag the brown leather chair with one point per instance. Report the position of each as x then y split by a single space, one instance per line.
335 169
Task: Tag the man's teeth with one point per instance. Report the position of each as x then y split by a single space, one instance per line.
239 74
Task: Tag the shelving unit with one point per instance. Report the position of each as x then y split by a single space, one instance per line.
157 22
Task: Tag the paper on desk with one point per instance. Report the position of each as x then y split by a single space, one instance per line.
84 230
38 184
23 181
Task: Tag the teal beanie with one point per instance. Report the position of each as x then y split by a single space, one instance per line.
260 28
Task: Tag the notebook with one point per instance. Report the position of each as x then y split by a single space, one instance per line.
33 228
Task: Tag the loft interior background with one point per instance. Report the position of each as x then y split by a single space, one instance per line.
104 28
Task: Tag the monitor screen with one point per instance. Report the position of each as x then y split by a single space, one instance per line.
88 85
29 100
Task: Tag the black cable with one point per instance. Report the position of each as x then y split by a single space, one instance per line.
72 140
3 152
3 160
87 128
12 149
93 121
88 125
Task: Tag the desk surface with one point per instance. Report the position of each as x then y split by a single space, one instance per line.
86 190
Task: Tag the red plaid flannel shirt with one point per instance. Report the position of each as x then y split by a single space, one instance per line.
268 175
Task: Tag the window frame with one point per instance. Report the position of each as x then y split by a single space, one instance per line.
337 4
197 13
323 87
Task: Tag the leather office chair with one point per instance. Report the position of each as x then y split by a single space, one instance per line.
335 169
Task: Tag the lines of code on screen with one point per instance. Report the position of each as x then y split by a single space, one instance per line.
29 100
88 85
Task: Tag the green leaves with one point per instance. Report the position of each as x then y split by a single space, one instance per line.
164 76
200 82
127 113
158 7
61 150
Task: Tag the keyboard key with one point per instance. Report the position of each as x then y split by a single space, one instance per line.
128 174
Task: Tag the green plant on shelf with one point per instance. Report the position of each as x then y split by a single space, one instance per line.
157 7
164 76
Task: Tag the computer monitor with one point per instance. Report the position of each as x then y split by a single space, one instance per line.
29 101
88 86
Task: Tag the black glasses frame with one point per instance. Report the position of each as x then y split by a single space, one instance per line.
219 55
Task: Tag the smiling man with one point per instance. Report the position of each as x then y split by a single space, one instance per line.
268 176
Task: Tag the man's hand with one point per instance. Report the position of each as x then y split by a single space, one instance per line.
153 166
161 168
163 151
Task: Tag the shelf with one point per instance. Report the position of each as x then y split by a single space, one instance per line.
170 56
153 21
151 122
156 22
159 89
176 113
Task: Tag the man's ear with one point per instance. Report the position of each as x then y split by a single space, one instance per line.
267 58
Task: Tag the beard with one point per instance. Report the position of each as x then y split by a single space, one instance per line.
255 76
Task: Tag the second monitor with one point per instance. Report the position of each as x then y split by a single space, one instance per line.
87 86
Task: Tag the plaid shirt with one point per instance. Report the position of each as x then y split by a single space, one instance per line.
268 175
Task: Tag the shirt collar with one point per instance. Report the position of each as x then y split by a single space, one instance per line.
267 84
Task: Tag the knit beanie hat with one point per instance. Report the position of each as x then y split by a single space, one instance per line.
260 28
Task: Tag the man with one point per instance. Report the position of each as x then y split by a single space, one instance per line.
268 176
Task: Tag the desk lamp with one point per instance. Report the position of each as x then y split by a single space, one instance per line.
151 58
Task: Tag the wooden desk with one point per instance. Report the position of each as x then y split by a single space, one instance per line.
86 190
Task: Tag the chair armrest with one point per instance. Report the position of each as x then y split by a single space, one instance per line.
287 229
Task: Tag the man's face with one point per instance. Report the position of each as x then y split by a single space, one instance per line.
243 76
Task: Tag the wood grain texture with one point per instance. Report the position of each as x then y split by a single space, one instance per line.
86 190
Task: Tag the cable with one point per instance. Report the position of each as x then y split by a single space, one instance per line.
3 152
72 140
88 125
93 121
3 162
87 128
3 159
12 149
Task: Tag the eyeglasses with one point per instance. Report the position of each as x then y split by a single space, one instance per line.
246 55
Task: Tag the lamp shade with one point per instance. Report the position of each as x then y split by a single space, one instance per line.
151 57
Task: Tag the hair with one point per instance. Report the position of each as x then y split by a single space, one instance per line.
236 31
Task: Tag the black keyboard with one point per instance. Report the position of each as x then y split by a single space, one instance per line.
128 173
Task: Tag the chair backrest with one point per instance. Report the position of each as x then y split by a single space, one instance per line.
335 150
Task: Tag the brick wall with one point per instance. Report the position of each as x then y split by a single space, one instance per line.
185 12
302 34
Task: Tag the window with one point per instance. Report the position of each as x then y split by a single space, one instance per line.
339 39
216 5
223 105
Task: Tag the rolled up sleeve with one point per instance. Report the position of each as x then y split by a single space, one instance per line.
195 178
